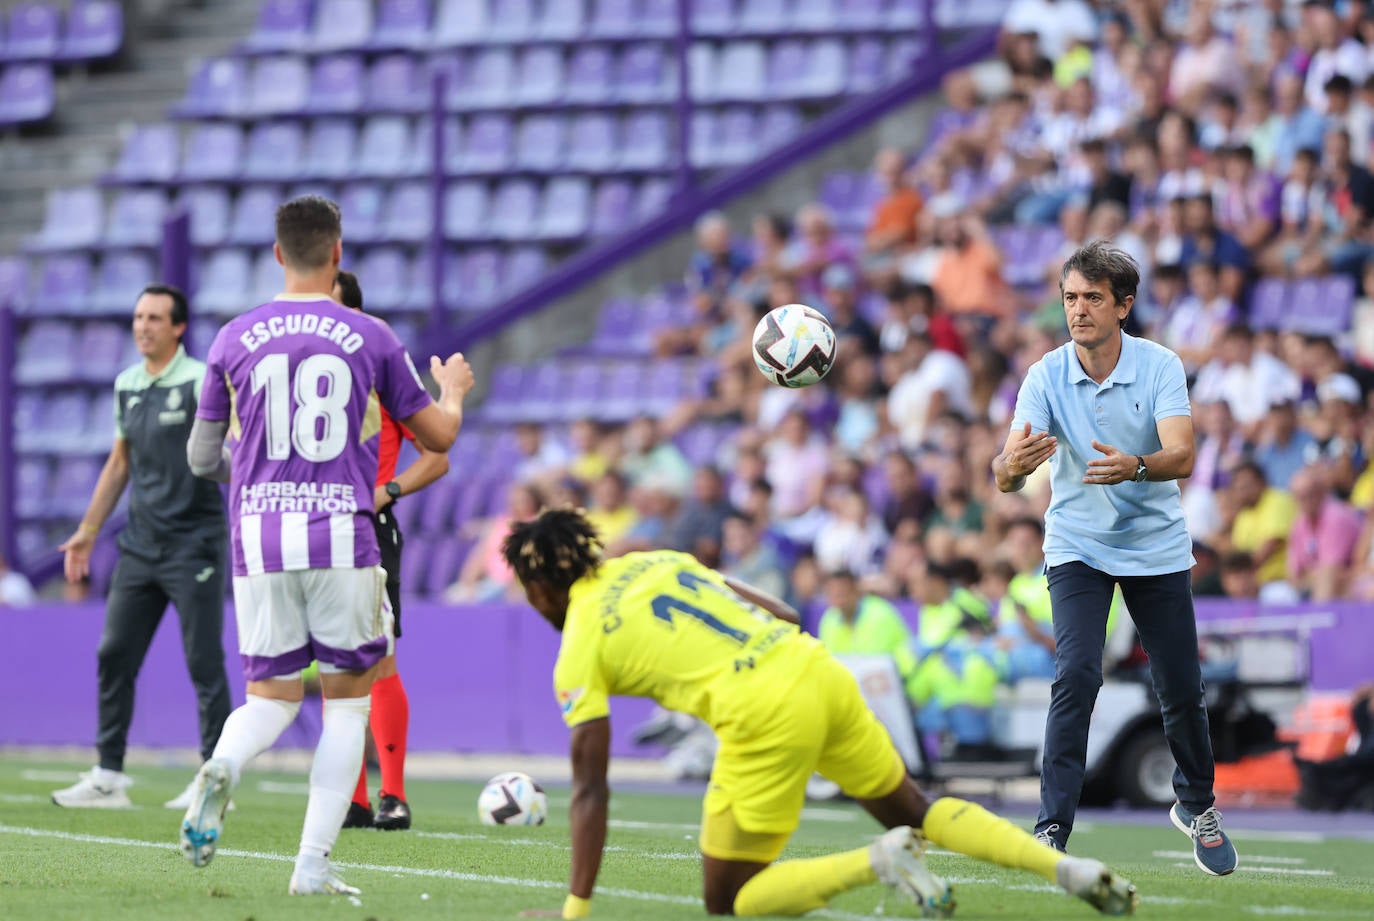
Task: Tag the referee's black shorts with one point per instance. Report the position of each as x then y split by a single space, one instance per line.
389 540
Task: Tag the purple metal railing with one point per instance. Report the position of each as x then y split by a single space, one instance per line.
9 456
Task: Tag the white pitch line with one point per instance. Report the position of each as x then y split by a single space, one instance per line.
283 788
821 814
1284 837
1287 871
1188 855
670 826
21 798
41 776
557 845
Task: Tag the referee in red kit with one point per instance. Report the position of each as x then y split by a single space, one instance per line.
390 717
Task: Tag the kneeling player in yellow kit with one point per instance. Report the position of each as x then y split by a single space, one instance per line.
661 625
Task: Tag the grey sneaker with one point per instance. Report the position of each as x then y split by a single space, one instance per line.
204 819
898 858
1093 882
317 876
1213 852
97 789
1049 836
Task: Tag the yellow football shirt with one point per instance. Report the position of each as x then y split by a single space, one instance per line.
661 625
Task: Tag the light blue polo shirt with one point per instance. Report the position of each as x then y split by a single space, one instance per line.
1130 529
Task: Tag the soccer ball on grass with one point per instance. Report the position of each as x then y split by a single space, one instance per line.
512 798
794 345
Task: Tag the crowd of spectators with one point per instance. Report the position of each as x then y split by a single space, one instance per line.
1219 144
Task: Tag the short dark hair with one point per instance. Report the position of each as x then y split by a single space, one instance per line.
1252 466
307 229
1237 561
181 310
350 292
1101 261
1027 521
1338 83
557 548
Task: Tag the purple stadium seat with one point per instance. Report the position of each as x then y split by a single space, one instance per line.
213 151
383 273
64 283
275 151
764 16
27 94
402 24
445 564
33 32
867 63
743 69
787 70
815 15
280 85
645 144
643 74
593 143
209 209
613 19
703 150
507 381
122 276
902 56
254 218
219 87
266 280
779 124
539 143
78 476
863 14
1320 306
540 76
622 385
336 85
825 71
478 279
703 64
47 352
618 329
564 21
95 29
612 207
1268 300
589 75
224 283
341 25
150 154
566 211
713 17
524 266
653 197
72 220
14 282
31 486
466 211
907 16
737 136
488 143
511 20
329 151
583 392
657 18
514 207
63 430
283 25
101 347
384 146
461 22
421 155
437 508
393 85
407 217
487 80
361 205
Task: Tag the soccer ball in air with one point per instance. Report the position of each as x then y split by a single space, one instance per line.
512 798
794 345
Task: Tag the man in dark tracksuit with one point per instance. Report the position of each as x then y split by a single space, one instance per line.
172 549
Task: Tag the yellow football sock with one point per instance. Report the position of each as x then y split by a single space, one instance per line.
968 828
795 887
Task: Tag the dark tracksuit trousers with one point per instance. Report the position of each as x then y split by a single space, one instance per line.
191 576
1162 608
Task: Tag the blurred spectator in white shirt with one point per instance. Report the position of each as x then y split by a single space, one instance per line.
932 381
1249 380
15 590
1056 23
1205 61
1337 53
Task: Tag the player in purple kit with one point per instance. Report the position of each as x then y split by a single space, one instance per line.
296 383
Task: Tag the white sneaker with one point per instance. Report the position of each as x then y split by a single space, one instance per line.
204 820
317 876
1095 883
97 789
182 800
898 857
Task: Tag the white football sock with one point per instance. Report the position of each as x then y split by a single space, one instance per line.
251 730
338 758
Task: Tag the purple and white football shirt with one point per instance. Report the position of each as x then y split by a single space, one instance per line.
295 379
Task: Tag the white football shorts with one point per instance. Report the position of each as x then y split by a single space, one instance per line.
340 617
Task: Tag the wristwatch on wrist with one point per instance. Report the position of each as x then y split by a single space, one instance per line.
393 489
1141 471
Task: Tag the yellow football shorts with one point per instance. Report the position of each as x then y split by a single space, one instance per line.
794 728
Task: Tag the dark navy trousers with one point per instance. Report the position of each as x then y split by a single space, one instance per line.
1162 608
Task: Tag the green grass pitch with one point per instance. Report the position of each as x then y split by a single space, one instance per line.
64 865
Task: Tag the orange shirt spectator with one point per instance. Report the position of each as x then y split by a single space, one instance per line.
894 217
968 279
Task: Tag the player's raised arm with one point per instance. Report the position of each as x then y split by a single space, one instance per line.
436 426
591 798
770 603
206 452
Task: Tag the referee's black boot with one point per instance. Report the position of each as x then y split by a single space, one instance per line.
358 816
392 814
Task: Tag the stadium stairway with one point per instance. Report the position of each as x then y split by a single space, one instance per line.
162 38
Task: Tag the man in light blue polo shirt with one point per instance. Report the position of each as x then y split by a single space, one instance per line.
1110 413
